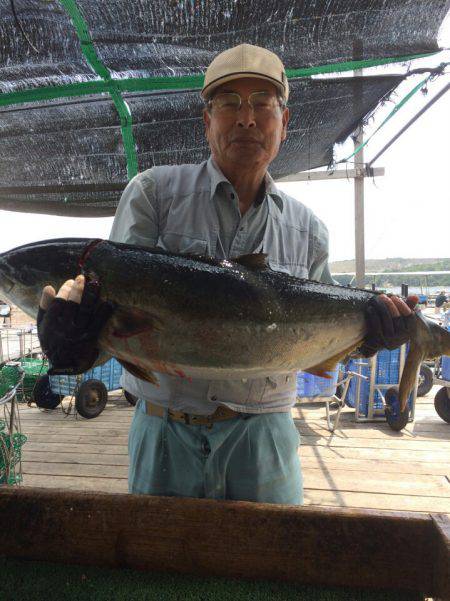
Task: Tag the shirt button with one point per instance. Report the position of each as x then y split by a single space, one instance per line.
232 196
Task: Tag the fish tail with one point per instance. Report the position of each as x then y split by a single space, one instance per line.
428 341
409 376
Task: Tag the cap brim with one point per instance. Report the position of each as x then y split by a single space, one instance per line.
209 89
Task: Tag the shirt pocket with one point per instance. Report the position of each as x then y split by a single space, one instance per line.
182 243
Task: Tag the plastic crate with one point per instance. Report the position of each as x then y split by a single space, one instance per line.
109 373
387 372
309 386
445 368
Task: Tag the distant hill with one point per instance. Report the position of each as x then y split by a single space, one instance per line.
394 264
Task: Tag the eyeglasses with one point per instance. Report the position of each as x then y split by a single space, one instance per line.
262 103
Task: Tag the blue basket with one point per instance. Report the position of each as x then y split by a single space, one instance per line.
445 368
109 373
309 386
387 372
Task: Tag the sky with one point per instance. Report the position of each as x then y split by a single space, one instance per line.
407 211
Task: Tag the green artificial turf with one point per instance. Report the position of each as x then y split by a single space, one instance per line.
33 581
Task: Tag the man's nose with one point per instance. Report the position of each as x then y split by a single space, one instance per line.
246 115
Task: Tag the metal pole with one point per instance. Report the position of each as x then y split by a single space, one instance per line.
359 198
429 104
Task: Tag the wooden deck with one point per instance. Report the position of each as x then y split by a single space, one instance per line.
361 465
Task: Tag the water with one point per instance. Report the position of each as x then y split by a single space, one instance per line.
431 290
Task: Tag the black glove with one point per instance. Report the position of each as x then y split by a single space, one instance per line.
384 330
68 331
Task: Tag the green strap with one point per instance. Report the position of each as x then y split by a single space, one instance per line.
110 85
188 82
396 108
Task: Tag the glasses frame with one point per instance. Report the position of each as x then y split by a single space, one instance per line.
210 101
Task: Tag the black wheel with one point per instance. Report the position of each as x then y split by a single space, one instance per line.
130 397
442 403
42 394
91 398
396 419
425 380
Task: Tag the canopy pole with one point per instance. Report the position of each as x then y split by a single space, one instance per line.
360 263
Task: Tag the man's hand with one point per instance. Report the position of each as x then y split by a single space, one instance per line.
69 324
388 319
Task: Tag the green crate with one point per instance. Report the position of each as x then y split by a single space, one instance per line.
9 376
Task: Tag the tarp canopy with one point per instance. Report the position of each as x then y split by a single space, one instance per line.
93 91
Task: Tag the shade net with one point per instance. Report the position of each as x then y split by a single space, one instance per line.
140 38
69 156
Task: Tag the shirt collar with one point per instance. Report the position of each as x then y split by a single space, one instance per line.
217 177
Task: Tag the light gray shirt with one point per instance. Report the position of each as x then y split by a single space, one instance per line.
195 209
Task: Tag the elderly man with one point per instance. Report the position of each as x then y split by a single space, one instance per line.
227 439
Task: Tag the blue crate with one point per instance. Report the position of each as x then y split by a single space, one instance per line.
387 372
109 373
309 386
445 368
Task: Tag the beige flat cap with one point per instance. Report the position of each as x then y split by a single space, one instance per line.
245 60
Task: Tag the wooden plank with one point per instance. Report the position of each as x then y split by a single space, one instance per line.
238 538
76 438
102 437
329 498
313 478
111 485
74 469
442 565
380 454
374 466
365 481
309 429
54 447
80 458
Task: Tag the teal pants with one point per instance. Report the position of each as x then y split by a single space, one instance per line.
247 458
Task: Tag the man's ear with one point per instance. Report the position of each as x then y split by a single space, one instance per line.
285 121
206 121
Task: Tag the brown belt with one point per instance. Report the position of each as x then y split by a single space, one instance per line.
221 413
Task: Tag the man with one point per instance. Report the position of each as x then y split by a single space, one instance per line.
440 301
230 439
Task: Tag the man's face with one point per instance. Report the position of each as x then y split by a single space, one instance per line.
245 136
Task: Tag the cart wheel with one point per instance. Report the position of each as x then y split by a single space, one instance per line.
130 397
91 398
396 419
425 380
42 394
442 403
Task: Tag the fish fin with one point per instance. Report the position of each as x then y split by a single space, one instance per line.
409 375
147 376
133 322
322 369
253 261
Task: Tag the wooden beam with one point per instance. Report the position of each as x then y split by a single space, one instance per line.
331 547
306 176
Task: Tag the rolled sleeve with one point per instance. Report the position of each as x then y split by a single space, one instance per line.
136 219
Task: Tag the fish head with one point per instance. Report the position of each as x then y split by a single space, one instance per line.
25 270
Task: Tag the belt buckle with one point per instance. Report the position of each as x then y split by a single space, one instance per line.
187 419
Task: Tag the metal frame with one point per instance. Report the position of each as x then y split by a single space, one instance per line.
374 415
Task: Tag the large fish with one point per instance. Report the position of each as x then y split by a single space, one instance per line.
211 319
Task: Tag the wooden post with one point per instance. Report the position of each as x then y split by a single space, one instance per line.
233 539
360 262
